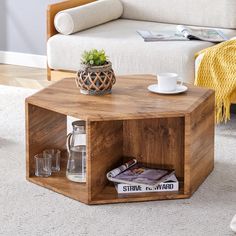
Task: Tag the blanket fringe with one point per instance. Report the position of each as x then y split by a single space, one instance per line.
223 110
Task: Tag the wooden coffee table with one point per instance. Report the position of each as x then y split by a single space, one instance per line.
174 131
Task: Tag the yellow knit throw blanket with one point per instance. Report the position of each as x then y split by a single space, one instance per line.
217 71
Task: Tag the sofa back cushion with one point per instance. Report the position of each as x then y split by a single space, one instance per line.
210 13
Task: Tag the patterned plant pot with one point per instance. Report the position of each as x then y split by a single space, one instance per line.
96 80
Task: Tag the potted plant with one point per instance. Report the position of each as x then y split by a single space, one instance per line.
96 76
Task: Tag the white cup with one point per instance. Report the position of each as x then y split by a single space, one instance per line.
168 81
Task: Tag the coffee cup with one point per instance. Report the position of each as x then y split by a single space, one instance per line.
168 82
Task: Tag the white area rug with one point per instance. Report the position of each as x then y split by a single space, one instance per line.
27 209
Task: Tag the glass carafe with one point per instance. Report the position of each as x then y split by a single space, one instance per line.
76 147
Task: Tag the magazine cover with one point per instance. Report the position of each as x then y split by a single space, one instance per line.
170 185
184 33
134 173
204 34
151 36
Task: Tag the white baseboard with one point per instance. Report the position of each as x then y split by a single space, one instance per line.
23 59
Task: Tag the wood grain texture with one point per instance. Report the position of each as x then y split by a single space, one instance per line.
44 129
156 142
109 195
130 99
58 183
106 153
200 131
168 131
47 129
62 185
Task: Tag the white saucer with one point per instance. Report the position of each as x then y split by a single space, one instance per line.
154 88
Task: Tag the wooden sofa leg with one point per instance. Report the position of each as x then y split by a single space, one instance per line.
49 74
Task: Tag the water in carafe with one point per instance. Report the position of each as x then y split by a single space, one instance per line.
76 146
76 169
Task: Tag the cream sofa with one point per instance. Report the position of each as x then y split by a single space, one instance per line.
127 51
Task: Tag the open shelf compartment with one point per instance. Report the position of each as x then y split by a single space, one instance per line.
156 142
47 129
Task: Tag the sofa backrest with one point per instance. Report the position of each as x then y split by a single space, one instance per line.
210 13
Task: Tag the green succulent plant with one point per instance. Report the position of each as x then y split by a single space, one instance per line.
94 57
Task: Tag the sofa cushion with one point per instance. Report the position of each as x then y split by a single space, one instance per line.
83 17
126 49
210 13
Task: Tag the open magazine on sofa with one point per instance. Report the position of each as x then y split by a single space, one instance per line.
184 33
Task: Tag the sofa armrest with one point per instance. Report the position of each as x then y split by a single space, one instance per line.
53 9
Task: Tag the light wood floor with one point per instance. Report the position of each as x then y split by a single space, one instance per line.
21 76
28 77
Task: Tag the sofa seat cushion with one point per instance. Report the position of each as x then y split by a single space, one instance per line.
126 49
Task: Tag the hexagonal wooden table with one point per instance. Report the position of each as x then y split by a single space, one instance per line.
169 131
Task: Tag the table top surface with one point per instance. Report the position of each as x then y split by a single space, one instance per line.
130 99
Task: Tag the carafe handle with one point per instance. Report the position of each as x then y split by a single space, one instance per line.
68 142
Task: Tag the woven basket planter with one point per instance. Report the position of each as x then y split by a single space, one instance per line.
96 80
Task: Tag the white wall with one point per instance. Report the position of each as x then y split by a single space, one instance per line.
23 26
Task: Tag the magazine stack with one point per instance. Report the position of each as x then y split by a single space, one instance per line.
133 177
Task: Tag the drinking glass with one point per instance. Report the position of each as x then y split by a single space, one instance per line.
43 165
56 155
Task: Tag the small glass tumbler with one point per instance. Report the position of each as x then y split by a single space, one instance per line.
43 165
56 155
